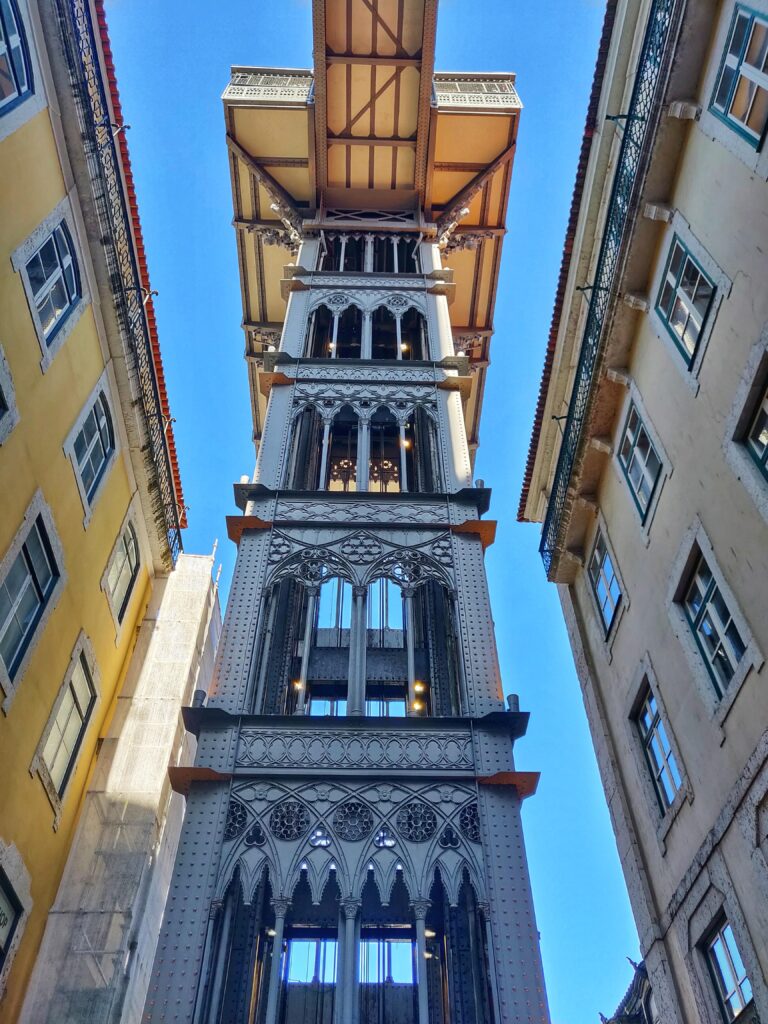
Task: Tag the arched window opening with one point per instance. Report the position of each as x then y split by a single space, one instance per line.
342 253
386 688
348 334
387 956
321 333
422 467
407 256
413 336
279 657
457 955
310 964
354 254
384 334
384 467
434 671
330 253
334 614
341 472
383 255
241 951
306 451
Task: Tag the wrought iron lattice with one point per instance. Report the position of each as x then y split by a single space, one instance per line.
416 822
104 167
255 836
469 823
638 125
289 820
353 821
237 819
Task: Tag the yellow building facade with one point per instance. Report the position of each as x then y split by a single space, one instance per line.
90 501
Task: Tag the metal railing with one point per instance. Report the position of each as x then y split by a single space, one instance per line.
638 124
479 92
114 221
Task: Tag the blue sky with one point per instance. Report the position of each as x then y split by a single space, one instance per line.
172 59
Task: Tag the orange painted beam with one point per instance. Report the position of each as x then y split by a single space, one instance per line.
485 529
237 524
525 783
183 776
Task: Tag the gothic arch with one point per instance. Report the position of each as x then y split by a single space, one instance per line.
409 567
313 566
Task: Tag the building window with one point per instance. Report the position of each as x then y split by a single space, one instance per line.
9 413
740 96
94 444
733 987
757 435
717 636
658 750
605 584
54 280
15 69
122 572
24 593
685 298
640 461
10 912
69 724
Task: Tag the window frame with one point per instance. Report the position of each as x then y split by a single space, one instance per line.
17 909
63 214
750 394
719 983
10 417
679 228
119 612
697 542
82 654
24 48
659 727
689 358
752 139
37 515
20 110
89 498
634 402
18 880
609 627
761 409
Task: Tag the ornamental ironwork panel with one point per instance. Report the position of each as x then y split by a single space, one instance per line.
129 295
638 125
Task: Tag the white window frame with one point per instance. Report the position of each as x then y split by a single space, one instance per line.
62 213
694 543
10 417
720 982
37 507
714 124
129 520
102 387
607 632
645 681
35 100
38 766
634 398
680 228
752 386
15 871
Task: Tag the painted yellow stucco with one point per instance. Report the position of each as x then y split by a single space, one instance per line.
33 458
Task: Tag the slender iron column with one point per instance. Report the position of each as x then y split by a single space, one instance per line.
205 963
357 645
280 907
366 339
398 329
309 624
403 462
322 483
368 262
363 453
410 646
420 908
485 909
335 335
351 907
214 1008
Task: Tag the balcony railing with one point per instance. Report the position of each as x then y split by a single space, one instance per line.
638 126
264 86
114 222
475 92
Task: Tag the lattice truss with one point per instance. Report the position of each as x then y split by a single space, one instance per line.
381 827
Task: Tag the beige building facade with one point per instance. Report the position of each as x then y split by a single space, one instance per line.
649 471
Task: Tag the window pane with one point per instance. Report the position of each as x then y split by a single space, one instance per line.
8 916
81 685
724 87
41 565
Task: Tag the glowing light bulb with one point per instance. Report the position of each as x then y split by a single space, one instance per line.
297 683
419 687
417 705
429 933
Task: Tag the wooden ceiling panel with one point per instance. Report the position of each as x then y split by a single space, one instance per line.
406 164
466 136
267 131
